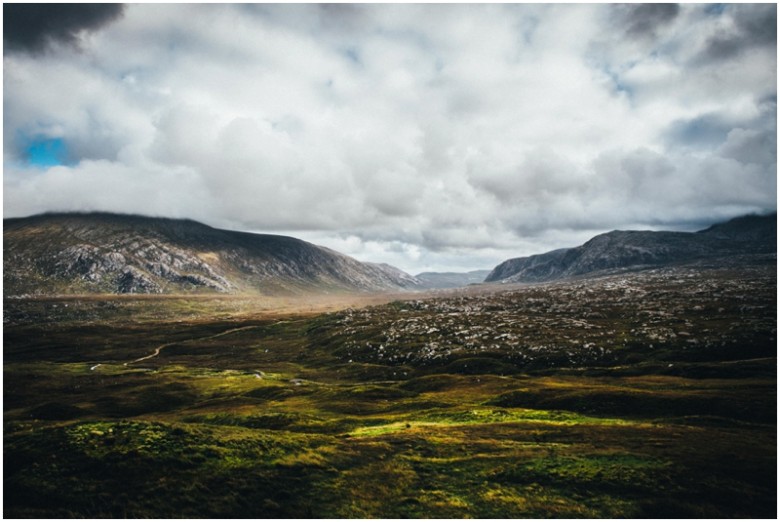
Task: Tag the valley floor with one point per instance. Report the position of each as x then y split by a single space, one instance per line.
650 394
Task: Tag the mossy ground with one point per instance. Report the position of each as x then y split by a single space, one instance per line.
258 415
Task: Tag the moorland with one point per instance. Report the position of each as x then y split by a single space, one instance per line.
647 393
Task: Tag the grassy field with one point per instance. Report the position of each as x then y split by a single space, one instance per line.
642 395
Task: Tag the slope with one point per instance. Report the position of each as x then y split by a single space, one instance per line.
622 249
110 253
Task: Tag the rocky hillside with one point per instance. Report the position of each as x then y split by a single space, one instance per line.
632 249
109 253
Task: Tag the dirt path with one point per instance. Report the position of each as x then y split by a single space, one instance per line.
157 350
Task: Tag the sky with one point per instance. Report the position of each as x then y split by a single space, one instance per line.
431 137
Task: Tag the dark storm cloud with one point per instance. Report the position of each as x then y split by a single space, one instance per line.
32 27
642 20
755 25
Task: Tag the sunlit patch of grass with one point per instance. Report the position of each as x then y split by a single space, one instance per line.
442 502
536 501
319 457
486 416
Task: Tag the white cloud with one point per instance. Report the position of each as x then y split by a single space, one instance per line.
427 136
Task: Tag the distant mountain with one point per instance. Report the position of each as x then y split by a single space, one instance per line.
440 280
626 249
110 253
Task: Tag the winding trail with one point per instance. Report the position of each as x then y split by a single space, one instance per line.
157 350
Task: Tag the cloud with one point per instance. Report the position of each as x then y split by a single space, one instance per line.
750 146
33 27
706 130
733 123
643 20
101 185
497 131
747 27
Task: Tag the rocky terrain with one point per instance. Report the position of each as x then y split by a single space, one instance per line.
634 249
688 313
107 253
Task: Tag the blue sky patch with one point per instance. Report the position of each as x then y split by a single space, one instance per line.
46 152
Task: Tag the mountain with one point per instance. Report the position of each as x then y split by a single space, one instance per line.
622 249
440 280
761 229
111 253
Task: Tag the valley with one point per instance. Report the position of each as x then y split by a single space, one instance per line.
409 261
648 393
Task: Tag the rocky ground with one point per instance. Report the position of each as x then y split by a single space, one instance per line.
687 313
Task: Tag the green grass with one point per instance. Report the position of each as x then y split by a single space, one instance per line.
253 416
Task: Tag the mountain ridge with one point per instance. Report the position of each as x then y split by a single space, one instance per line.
101 252
623 249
